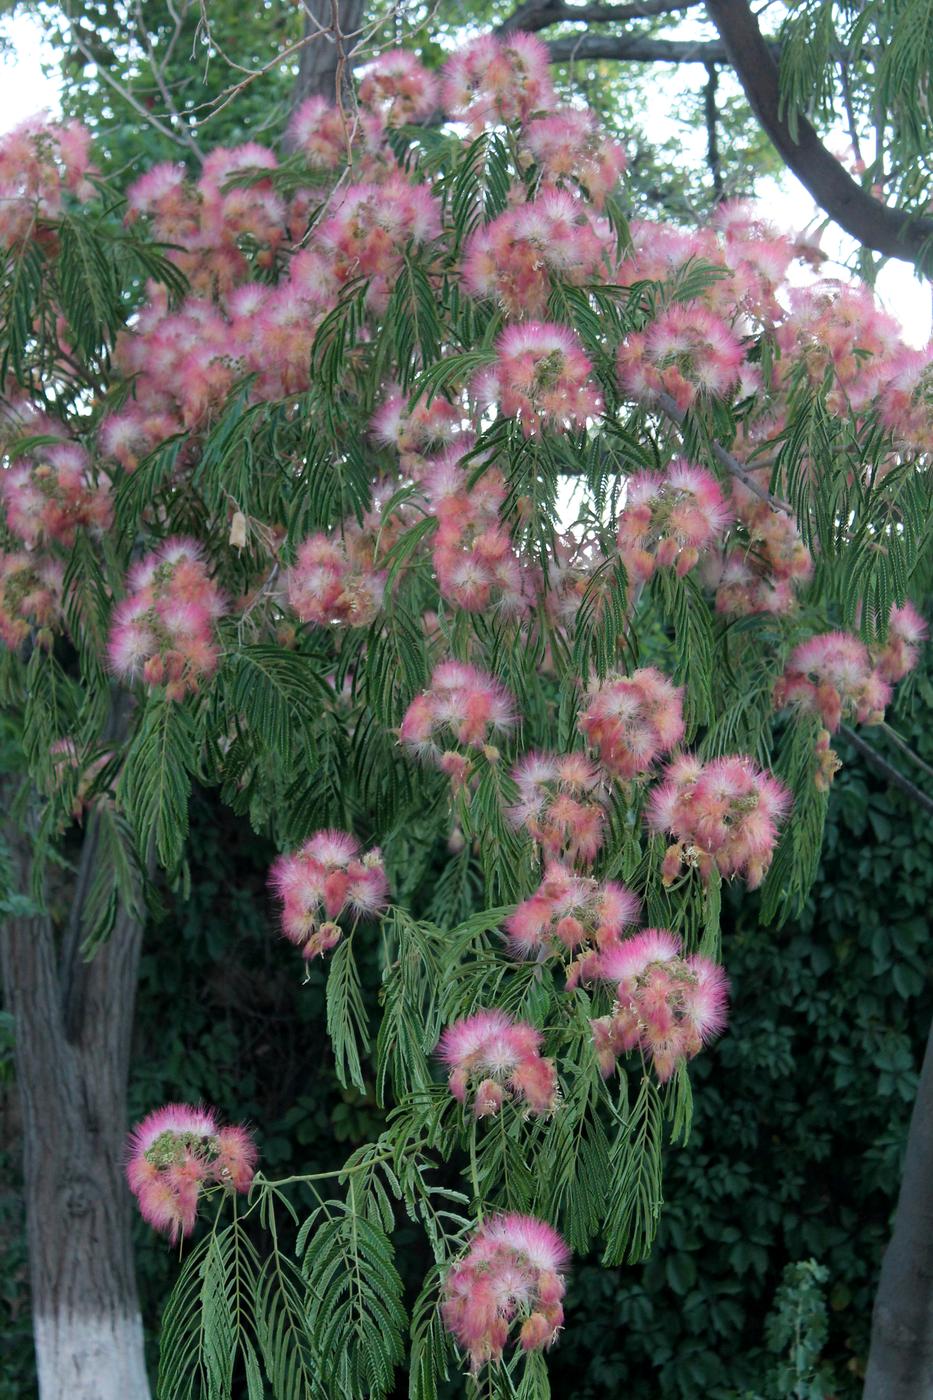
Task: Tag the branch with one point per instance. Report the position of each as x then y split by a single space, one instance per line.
712 136
887 770
725 459
539 14
875 225
633 48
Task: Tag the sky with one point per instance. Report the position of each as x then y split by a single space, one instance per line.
27 89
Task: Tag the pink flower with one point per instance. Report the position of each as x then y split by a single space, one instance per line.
325 880
561 805
907 632
724 813
498 80
328 589
567 146
50 494
163 631
30 596
399 88
686 352
668 1005
512 1272
832 675
474 560
463 706
319 131
541 377
174 1154
500 1058
762 574
669 519
570 914
631 721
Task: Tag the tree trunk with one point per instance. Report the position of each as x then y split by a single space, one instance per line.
331 31
900 1362
72 1027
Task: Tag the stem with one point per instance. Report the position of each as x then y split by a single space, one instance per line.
905 748
887 770
474 1171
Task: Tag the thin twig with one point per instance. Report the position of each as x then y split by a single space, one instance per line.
905 748
725 459
161 84
887 770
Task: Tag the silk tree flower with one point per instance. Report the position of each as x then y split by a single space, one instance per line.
541 377
495 1058
163 631
329 589
687 352
907 632
41 163
763 575
669 519
31 587
831 675
568 146
494 80
725 813
177 1152
48 496
571 914
667 1005
513 259
474 560
561 805
399 88
510 1280
325 880
463 708
631 721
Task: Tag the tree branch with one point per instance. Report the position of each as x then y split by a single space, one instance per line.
711 114
634 48
539 14
875 225
887 770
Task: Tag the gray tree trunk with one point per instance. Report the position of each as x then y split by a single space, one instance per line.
323 70
900 1361
72 1027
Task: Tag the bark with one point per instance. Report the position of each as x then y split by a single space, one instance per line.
72 1026
331 34
884 230
900 1361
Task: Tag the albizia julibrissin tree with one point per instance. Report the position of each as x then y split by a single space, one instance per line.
490 553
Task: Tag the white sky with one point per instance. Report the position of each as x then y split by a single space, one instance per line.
26 89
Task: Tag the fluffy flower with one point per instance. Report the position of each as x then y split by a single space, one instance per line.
724 813
541 377
462 707
163 632
831 675
632 720
561 805
30 596
509 1280
666 1004
669 519
498 80
474 560
52 493
762 572
496 1057
399 88
571 914
567 146
176 1153
329 589
907 632
327 879
686 352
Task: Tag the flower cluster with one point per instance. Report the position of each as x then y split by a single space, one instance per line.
632 720
541 377
561 805
496 80
474 560
669 518
415 432
831 675
462 708
511 1273
41 163
724 813
494 1057
687 352
667 1005
53 492
399 88
370 228
163 632
328 588
30 595
906 633
325 880
567 146
176 1153
513 258
569 913
762 574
